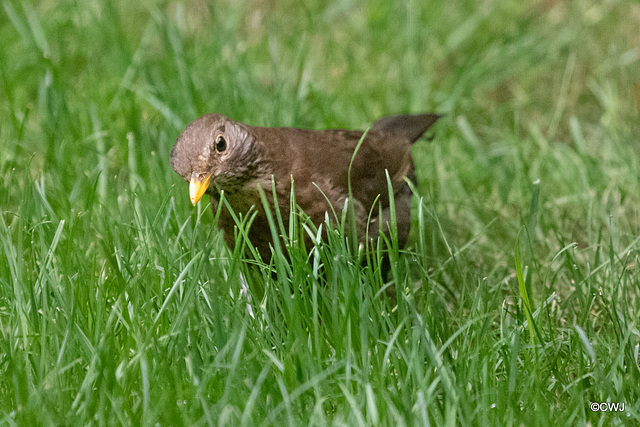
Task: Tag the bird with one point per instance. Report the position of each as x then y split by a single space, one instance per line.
217 155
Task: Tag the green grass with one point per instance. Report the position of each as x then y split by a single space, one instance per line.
518 299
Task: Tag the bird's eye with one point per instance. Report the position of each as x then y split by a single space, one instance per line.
221 143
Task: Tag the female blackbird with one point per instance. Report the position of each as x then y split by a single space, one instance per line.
215 154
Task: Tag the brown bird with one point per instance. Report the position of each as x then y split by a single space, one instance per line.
215 154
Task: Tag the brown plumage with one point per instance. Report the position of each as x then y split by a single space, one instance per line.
215 153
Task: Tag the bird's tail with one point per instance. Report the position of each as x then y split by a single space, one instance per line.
407 126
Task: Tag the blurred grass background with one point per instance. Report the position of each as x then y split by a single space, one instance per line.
119 303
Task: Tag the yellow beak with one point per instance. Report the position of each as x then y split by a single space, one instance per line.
198 187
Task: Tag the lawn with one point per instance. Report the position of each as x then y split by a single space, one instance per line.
517 301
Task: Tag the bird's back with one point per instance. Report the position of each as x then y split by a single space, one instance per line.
323 157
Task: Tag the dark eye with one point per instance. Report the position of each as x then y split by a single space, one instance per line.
221 143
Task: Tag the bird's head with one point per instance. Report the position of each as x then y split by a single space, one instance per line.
214 153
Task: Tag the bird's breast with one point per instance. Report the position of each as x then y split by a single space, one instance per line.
244 197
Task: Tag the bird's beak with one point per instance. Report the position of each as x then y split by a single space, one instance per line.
198 186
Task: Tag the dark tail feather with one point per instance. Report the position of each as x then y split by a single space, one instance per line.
408 126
